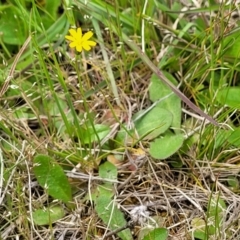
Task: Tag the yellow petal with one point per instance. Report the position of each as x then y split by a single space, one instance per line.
86 46
73 32
87 35
72 45
79 48
79 33
91 43
70 38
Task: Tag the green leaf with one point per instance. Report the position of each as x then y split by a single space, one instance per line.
232 45
52 178
198 225
23 112
166 146
233 183
105 206
221 138
93 134
109 213
229 96
216 209
53 107
157 234
234 138
202 230
52 7
48 216
51 10
153 123
12 27
108 171
159 90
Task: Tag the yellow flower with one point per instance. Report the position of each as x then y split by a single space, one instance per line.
80 41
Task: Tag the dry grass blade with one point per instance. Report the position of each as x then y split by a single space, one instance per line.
11 73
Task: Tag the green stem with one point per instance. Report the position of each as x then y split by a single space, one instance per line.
106 60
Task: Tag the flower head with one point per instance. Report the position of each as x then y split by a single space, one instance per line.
80 41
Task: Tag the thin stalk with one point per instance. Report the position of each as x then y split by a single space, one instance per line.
107 62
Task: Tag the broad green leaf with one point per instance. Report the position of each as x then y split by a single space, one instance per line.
216 207
53 107
93 134
126 137
48 216
166 146
159 90
108 171
51 10
23 112
229 96
153 123
202 230
149 126
155 223
233 182
24 86
12 27
222 137
105 206
157 234
198 225
232 45
108 211
52 178
52 7
234 138
216 210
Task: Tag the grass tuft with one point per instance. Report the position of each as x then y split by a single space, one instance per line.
137 138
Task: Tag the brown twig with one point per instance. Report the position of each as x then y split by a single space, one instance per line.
162 78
